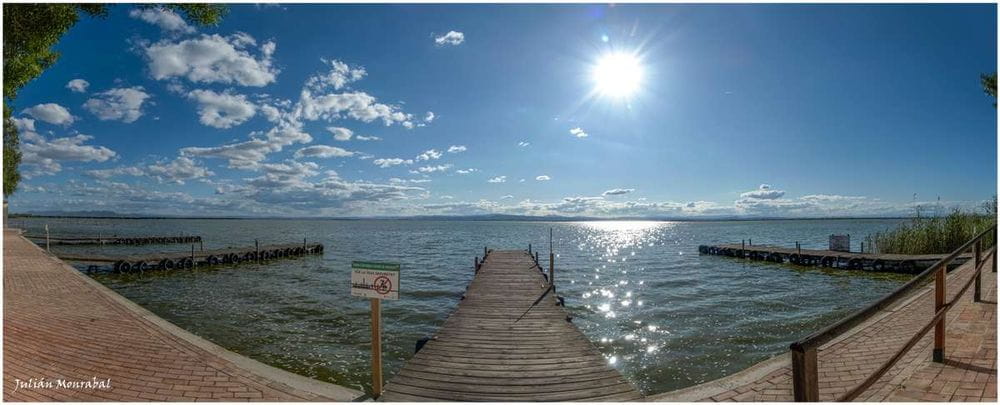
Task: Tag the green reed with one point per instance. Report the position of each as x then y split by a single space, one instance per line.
937 234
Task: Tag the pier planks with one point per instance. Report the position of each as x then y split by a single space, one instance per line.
484 353
883 262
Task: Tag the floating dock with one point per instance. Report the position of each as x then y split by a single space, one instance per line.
196 258
509 340
115 240
895 263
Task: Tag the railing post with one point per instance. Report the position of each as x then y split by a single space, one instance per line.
476 265
805 375
552 269
978 253
485 252
939 332
529 249
46 237
536 257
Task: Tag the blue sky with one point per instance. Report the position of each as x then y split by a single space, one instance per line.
329 110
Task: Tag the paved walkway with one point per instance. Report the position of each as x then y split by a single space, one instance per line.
969 373
65 336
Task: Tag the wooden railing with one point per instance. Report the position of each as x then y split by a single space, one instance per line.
805 367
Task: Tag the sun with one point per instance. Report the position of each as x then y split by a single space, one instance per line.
617 75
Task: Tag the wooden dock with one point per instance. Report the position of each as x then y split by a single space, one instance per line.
115 240
196 258
497 346
896 263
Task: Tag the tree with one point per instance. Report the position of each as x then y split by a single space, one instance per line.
30 31
990 85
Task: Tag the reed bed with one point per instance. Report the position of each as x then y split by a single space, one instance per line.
938 234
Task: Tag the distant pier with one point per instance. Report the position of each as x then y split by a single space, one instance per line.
881 262
196 258
115 240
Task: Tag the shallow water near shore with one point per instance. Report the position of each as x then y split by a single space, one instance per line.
663 315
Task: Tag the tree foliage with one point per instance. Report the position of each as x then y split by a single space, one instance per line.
990 85
30 31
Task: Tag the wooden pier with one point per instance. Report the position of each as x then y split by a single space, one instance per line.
896 263
196 258
115 240
509 340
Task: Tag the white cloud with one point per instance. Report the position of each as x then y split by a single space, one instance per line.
367 138
429 155
120 104
523 144
456 148
498 179
222 110
429 117
339 76
431 169
385 163
104 174
51 113
577 132
764 192
166 19
177 171
212 59
618 191
340 134
465 171
543 178
357 105
78 85
451 38
322 151
23 124
506 197
43 155
248 154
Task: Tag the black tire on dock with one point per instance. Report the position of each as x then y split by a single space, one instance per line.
855 264
212 260
794 258
166 264
125 267
775 257
140 266
118 266
878 265
187 263
702 249
828 261
235 258
907 266
807 260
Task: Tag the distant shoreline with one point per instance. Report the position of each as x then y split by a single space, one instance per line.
477 218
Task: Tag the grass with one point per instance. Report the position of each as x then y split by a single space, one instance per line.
938 234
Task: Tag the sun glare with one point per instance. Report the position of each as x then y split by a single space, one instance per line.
617 75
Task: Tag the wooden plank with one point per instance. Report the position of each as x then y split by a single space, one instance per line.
498 346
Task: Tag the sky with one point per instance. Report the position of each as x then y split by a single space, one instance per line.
579 110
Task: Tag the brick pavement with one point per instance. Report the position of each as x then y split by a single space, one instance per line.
60 325
969 373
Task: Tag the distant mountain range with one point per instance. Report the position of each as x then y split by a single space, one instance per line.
480 217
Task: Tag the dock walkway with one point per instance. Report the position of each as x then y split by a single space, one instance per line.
484 353
887 262
61 325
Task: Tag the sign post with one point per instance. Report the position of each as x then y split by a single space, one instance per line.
375 281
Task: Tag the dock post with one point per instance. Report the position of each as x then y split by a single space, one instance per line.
201 244
475 265
798 247
743 249
805 374
193 262
485 252
529 249
552 262
303 243
46 237
751 242
939 332
376 348
977 253
256 248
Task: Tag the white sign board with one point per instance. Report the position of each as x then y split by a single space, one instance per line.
840 243
375 280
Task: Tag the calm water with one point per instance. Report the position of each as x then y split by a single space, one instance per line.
663 315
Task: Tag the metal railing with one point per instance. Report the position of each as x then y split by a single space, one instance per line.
805 367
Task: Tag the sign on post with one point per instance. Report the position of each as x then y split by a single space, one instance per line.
375 281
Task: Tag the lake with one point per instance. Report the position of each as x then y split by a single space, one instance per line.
663 315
